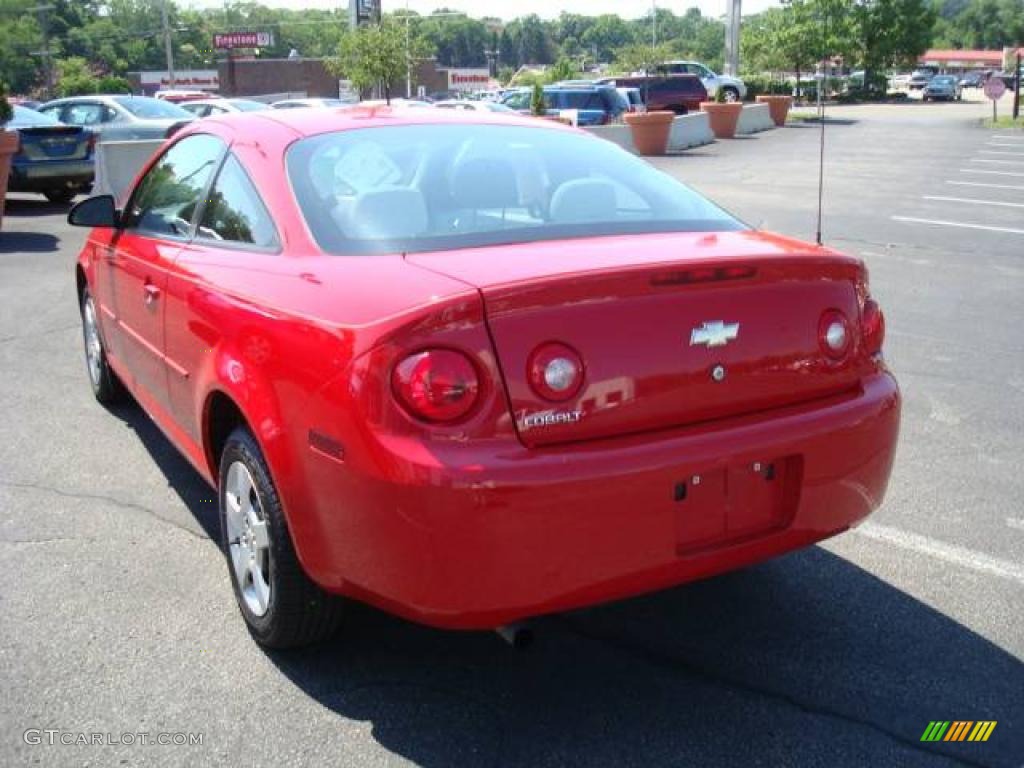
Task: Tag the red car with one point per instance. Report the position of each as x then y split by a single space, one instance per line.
473 368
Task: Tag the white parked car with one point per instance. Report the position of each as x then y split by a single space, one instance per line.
307 103
733 87
208 107
474 106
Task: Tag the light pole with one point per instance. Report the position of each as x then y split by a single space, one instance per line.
654 23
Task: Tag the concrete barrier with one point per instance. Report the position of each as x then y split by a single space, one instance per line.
690 130
754 119
617 134
118 162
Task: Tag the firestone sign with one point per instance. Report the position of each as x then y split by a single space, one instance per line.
229 40
468 79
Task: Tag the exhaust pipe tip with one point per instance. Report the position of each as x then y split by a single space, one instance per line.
518 635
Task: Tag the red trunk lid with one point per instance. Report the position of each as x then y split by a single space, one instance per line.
629 306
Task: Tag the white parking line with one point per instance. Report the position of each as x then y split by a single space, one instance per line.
993 173
994 152
949 553
962 225
996 162
972 201
1014 522
983 184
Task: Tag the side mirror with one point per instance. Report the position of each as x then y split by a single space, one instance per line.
98 211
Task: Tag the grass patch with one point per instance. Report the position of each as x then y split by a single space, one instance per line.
1004 122
802 117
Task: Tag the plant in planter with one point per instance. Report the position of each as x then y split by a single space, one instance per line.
723 115
778 106
651 131
9 144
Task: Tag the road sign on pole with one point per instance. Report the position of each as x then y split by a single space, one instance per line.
994 89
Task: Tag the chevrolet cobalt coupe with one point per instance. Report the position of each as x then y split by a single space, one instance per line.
474 368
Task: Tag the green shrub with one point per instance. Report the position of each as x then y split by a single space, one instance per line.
113 84
537 106
6 111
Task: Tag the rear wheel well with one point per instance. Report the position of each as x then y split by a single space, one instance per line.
80 282
222 416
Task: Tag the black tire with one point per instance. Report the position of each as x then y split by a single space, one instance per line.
298 612
731 91
106 387
60 196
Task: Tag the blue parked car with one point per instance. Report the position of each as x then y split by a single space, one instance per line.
53 159
596 104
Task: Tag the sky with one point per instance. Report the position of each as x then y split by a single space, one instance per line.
544 8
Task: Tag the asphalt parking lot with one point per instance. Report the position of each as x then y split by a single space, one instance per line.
116 615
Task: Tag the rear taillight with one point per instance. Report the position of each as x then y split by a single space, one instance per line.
555 371
834 334
436 385
90 142
872 327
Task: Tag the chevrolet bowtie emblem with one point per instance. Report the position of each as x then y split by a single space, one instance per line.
714 334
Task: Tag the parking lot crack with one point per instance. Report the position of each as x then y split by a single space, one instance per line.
716 677
120 503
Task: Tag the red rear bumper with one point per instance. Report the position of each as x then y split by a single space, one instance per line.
478 537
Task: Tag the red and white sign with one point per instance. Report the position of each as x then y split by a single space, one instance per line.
468 79
229 40
995 88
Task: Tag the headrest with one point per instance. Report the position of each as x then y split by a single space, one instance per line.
584 200
383 214
484 183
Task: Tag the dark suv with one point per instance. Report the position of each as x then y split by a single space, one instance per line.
597 104
674 93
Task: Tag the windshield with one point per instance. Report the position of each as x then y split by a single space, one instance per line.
29 118
942 80
152 109
422 188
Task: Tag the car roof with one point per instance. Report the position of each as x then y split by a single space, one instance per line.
312 122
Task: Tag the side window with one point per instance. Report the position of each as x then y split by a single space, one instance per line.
165 201
54 112
234 211
84 114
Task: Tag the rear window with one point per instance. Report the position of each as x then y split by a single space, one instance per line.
417 188
29 118
151 109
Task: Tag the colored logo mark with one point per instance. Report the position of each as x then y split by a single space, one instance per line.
958 730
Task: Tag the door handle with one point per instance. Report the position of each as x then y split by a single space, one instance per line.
152 293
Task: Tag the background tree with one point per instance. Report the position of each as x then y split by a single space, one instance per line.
75 78
884 33
376 56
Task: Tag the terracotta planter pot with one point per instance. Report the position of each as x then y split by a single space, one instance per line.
9 143
650 131
723 117
778 106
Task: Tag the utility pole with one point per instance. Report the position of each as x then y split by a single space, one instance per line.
732 38
168 44
654 23
46 54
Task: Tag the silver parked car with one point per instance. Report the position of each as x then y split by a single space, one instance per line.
943 87
120 118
